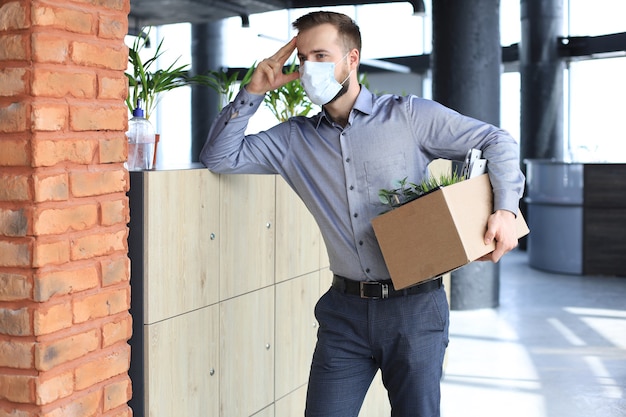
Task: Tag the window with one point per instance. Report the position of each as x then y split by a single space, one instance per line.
595 91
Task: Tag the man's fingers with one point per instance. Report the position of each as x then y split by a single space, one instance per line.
285 52
268 74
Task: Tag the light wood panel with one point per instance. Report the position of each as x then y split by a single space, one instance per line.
297 235
326 279
180 355
247 218
296 331
376 402
266 412
293 404
247 353
181 264
324 260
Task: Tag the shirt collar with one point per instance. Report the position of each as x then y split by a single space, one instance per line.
364 103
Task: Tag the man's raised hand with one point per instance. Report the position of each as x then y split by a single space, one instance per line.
268 75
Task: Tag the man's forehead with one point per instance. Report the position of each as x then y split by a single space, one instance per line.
309 45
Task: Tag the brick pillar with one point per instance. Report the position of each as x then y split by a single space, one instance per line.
64 267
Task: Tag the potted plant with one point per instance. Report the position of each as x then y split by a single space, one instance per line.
289 100
147 83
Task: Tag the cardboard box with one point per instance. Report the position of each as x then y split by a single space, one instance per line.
439 232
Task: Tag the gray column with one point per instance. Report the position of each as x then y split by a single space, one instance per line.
541 72
466 65
467 57
206 55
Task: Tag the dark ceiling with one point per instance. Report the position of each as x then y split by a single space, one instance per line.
161 12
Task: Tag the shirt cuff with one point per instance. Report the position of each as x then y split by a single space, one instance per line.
247 103
506 200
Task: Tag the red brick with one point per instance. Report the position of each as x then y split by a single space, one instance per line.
101 368
112 88
17 388
17 353
56 221
116 394
103 304
15 253
90 183
50 187
13 222
114 149
98 117
63 83
50 48
103 243
13 116
50 389
123 411
15 322
54 353
67 280
14 152
117 331
16 410
83 405
15 286
13 15
49 116
99 55
112 26
13 81
14 186
113 212
49 152
67 20
51 252
51 318
13 47
118 5
115 270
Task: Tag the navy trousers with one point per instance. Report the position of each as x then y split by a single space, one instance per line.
405 337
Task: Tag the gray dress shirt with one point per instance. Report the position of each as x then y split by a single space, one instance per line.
338 171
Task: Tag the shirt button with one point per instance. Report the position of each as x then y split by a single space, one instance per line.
347 159
352 187
367 270
242 102
356 214
361 242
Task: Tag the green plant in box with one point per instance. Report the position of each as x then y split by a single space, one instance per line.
405 191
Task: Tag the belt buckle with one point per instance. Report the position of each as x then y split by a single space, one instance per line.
384 289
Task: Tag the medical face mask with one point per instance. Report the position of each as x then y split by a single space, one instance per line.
318 80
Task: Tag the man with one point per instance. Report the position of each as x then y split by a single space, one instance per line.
337 161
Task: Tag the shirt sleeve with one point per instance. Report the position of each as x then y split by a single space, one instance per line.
445 133
228 150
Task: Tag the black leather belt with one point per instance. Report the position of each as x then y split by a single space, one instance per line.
380 289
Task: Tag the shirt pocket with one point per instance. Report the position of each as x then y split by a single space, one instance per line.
384 173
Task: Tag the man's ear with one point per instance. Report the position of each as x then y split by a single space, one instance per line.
354 58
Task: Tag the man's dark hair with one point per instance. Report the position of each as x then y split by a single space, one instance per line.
346 27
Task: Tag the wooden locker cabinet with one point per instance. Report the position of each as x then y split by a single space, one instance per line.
225 274
247 230
174 277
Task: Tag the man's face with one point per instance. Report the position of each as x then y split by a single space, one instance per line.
322 44
319 44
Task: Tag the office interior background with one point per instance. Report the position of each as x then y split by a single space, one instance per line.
553 347
594 86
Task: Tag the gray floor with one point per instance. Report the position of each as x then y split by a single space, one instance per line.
555 347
